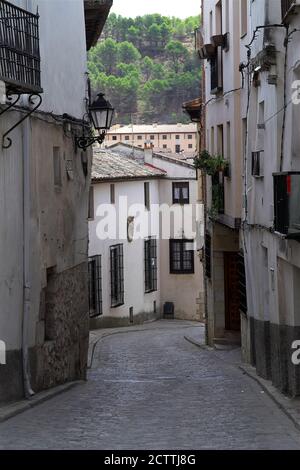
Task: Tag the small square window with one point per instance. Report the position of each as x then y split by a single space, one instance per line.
165 137
126 137
190 146
165 146
177 137
114 137
190 136
152 137
181 193
140 137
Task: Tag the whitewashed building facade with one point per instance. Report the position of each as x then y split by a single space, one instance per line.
44 187
134 269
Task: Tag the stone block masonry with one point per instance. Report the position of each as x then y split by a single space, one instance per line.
62 356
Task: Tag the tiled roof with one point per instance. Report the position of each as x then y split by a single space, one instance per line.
110 166
154 129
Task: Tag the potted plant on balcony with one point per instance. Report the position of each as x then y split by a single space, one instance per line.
211 164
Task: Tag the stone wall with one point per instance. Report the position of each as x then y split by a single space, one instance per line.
273 355
60 354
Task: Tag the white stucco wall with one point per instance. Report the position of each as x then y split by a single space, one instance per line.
63 54
134 287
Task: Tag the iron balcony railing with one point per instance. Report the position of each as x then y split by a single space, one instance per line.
286 5
19 49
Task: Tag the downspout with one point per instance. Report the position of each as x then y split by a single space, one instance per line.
26 141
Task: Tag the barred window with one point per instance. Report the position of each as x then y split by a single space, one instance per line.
95 286
117 275
182 257
181 193
150 265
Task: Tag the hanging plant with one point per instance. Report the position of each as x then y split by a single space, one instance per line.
210 164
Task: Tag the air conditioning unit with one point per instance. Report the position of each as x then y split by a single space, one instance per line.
286 204
258 164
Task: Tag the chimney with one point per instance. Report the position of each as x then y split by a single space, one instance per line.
148 152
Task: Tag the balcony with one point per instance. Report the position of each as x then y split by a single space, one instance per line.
19 49
286 204
288 8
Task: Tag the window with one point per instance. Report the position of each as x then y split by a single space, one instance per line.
139 137
244 17
114 137
181 193
190 136
91 204
208 256
177 148
95 286
152 137
177 137
220 140
57 167
150 265
147 195
126 137
190 146
117 275
219 26
164 137
257 164
165 146
181 256
112 194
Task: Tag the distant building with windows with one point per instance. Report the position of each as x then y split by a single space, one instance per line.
174 138
133 279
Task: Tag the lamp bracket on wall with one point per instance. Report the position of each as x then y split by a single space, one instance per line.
83 142
6 141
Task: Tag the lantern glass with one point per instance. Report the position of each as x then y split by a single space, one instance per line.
101 112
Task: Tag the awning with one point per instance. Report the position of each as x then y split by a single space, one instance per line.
96 13
193 109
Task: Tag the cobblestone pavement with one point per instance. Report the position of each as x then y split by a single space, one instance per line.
154 390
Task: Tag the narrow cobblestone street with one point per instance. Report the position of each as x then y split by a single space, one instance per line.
152 389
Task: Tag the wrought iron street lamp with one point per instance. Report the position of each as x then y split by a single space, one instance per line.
101 115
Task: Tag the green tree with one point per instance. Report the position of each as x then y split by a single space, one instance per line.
177 52
127 53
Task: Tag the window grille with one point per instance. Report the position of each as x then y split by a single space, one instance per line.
117 275
150 265
181 193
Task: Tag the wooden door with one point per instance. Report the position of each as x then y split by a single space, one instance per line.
232 296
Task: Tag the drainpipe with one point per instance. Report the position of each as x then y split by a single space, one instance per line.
28 392
26 144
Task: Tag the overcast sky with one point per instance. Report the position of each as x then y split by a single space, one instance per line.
179 8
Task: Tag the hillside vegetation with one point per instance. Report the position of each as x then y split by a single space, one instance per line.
147 67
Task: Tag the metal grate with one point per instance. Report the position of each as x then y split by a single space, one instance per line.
150 265
95 286
19 49
286 5
117 275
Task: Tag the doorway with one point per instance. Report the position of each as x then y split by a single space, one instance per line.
232 295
